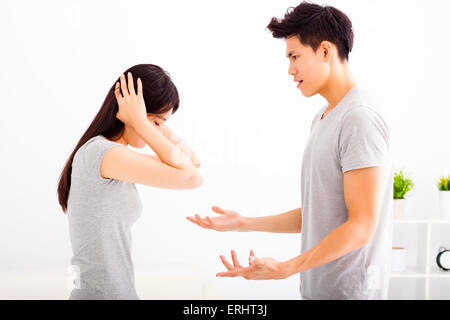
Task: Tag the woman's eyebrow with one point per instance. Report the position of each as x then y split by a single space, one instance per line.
161 117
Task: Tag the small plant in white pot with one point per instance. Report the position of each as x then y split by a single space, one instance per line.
444 196
402 185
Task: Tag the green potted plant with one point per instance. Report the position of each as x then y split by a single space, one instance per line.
444 196
402 185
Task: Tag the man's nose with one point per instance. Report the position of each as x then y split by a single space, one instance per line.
291 71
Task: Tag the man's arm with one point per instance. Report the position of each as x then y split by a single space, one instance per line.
287 222
228 220
363 189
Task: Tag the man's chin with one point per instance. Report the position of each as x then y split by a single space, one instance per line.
308 94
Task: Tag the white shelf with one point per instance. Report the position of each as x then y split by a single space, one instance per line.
436 272
421 220
426 246
409 272
415 272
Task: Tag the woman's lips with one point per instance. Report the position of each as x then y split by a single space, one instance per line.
299 83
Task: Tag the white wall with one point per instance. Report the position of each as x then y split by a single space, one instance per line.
240 111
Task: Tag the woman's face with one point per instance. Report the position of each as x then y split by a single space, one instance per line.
156 119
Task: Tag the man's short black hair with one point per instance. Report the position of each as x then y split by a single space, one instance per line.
314 23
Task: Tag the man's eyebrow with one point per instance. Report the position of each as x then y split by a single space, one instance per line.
290 53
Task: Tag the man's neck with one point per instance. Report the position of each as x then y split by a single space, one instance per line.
338 85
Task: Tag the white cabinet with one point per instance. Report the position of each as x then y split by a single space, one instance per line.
422 278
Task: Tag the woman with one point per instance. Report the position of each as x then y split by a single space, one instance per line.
97 186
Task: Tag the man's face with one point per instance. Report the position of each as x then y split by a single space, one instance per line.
309 69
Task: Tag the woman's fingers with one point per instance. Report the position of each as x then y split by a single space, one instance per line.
216 209
139 85
117 91
131 84
123 86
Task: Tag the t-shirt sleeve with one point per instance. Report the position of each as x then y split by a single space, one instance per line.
93 155
363 140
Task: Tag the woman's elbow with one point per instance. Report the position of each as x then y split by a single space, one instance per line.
194 180
196 162
198 180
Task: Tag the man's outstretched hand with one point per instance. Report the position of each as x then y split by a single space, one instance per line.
258 269
227 220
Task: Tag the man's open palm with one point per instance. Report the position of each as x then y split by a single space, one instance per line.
227 220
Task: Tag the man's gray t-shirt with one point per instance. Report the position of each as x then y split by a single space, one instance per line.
352 135
100 214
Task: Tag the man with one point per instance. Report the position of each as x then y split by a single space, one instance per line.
346 179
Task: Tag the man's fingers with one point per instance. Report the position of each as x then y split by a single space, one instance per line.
228 274
131 84
211 223
251 258
226 263
201 222
123 86
235 260
193 220
216 209
198 221
246 273
205 223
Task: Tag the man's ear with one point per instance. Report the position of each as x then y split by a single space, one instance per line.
326 51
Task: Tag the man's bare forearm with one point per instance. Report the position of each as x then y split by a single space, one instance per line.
287 222
344 239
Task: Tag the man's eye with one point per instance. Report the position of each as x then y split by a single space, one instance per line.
156 123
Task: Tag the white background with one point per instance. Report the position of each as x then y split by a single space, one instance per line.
240 111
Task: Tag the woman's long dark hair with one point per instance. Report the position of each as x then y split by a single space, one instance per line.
160 95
